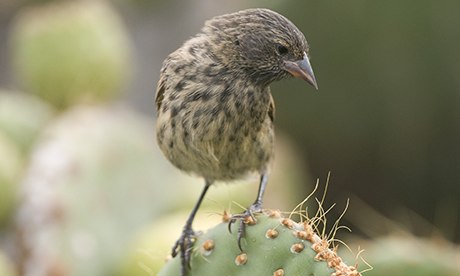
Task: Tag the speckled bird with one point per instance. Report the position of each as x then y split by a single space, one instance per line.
214 107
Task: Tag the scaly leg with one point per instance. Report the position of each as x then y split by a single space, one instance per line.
185 242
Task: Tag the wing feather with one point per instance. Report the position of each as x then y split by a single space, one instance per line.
271 109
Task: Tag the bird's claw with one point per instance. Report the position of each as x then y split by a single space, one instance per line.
184 246
247 217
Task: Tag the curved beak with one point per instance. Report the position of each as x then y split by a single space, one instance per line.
302 69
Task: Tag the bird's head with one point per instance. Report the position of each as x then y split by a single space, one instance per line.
260 44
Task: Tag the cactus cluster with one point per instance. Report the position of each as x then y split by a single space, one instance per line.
273 245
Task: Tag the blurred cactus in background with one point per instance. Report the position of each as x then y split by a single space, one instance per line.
71 52
408 255
89 185
22 116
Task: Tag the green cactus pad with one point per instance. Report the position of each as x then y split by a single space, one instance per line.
70 52
272 246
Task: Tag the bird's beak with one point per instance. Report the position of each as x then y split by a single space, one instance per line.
302 69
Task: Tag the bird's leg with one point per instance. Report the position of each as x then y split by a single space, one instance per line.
256 207
185 242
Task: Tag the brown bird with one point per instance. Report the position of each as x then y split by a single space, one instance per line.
214 107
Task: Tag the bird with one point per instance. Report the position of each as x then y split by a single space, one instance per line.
214 109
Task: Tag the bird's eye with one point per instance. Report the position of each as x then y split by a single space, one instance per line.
282 50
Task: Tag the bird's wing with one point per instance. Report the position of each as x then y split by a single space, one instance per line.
160 89
271 109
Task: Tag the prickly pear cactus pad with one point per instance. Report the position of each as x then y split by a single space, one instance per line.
273 245
69 52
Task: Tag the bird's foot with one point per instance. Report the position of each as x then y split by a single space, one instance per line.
245 218
184 246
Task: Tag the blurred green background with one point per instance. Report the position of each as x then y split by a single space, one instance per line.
83 182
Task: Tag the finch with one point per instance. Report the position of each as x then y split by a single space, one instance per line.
215 112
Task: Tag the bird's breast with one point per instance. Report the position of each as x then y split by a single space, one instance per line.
218 131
